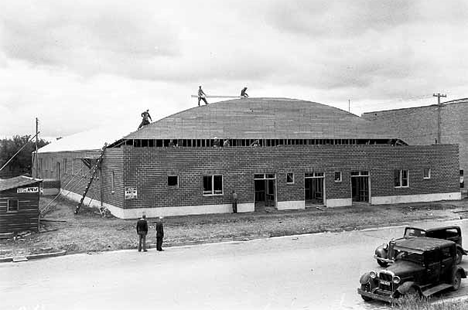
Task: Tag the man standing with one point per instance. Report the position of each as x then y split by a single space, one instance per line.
201 95
159 234
234 202
146 119
142 231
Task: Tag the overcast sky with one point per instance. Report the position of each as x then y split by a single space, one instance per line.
81 64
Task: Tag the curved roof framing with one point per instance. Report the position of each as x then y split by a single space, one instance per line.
261 118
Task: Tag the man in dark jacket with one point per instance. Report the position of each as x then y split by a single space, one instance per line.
146 118
159 234
142 231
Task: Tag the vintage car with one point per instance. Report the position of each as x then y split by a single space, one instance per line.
385 254
423 267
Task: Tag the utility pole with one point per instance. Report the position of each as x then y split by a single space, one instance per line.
349 105
35 154
439 106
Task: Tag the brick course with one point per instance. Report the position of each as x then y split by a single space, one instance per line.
148 168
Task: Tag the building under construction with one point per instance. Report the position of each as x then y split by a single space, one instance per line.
434 124
274 152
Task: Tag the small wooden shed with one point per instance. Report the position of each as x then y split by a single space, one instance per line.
19 204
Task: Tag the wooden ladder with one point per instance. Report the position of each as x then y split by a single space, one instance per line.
93 175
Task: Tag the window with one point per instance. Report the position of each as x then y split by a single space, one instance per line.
12 205
462 180
212 185
65 166
359 173
173 181
401 178
338 176
289 178
446 253
314 175
427 173
113 182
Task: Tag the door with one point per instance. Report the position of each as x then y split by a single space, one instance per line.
360 187
265 191
314 187
57 171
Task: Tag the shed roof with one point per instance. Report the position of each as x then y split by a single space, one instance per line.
264 118
6 184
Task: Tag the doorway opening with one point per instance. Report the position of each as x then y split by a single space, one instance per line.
360 186
314 187
265 191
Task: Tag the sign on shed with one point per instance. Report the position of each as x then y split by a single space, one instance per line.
131 193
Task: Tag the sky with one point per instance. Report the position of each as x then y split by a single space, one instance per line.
81 64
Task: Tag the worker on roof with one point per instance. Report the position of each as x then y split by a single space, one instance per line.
244 93
146 119
201 96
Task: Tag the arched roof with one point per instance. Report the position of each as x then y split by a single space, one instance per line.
261 118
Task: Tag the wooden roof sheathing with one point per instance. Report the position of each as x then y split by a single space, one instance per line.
262 118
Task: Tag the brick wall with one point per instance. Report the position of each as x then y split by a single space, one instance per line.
147 170
418 126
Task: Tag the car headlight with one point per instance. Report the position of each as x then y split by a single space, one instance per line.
396 279
373 274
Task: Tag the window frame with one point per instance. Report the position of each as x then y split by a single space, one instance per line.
17 205
428 175
340 178
177 181
401 178
213 178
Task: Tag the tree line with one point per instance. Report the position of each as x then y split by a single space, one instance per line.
22 163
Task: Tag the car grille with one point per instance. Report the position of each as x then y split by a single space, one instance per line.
386 280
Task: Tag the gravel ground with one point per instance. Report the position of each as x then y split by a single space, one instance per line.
89 232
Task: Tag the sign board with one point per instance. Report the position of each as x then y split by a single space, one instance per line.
27 190
131 193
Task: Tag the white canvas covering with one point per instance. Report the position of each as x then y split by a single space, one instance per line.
92 139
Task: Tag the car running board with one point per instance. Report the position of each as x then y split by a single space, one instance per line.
436 289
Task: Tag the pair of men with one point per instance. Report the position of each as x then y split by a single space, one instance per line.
142 231
202 95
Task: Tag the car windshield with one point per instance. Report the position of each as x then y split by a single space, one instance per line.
411 257
414 232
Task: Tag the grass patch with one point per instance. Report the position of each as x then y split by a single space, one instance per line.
431 304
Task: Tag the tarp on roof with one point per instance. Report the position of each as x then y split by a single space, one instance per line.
93 139
6 184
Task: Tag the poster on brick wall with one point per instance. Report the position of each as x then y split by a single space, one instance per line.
130 193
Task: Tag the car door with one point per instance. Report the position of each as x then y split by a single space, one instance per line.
433 266
447 257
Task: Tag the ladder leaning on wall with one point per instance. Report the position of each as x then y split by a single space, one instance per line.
93 175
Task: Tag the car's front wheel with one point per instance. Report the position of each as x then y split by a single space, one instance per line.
456 281
366 288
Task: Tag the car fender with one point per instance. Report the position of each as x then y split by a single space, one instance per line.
365 278
459 269
403 288
461 249
381 251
